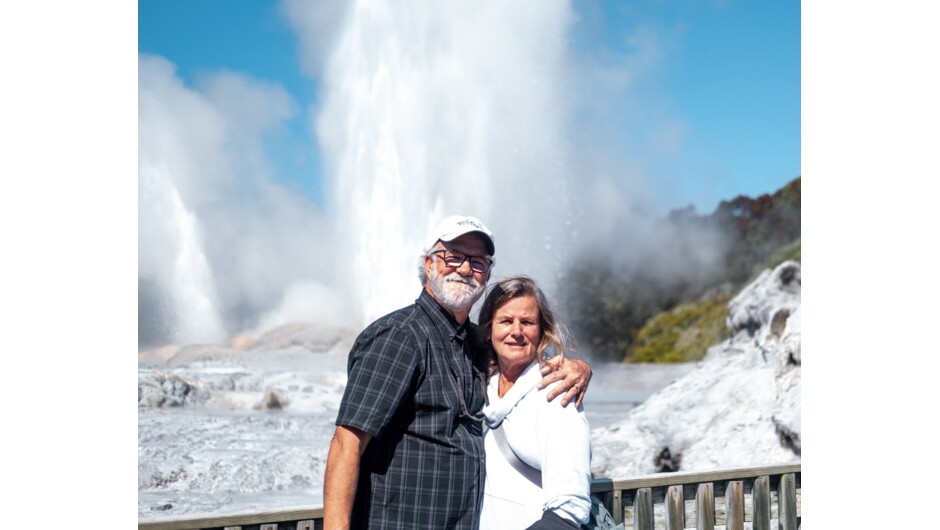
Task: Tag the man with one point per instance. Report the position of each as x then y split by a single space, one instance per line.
408 448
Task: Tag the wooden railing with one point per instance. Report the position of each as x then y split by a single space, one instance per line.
766 497
703 500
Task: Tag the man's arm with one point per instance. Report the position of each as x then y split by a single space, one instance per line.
342 475
574 375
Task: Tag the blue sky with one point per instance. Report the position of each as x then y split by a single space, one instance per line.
732 70
728 71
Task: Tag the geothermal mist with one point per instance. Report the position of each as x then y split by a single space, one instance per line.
432 109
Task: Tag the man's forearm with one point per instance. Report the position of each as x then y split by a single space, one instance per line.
342 475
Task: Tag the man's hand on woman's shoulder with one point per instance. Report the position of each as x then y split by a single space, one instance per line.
574 375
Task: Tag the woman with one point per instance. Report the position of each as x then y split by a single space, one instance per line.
540 478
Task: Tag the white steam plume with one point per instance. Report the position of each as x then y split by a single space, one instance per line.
431 109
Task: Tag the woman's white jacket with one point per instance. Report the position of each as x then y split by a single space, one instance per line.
546 436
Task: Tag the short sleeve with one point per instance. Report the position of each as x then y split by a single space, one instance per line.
382 372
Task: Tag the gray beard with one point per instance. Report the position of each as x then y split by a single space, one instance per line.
455 292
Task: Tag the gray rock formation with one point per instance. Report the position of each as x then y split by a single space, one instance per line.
159 389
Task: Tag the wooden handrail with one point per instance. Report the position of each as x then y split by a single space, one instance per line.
708 499
634 500
235 519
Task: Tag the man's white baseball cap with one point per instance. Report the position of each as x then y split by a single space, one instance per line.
457 225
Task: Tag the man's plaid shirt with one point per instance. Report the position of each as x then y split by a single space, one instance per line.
424 467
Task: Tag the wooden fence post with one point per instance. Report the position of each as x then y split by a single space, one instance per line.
643 509
705 507
616 508
786 502
734 505
675 508
760 497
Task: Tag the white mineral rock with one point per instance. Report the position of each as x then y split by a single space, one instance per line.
740 408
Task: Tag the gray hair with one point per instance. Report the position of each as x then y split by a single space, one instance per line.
423 274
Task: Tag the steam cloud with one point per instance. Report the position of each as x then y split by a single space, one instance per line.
425 110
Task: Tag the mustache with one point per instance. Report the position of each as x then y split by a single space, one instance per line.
457 278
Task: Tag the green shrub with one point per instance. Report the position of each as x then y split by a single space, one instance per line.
788 252
683 334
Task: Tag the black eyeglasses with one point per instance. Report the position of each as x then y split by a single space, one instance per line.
455 260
